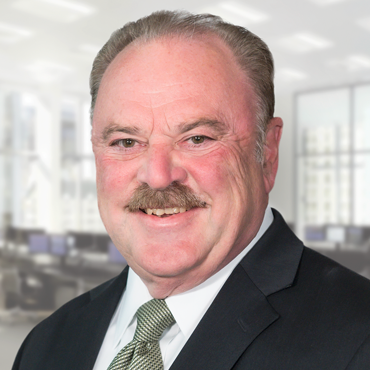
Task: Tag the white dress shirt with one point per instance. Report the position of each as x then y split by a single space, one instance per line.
187 308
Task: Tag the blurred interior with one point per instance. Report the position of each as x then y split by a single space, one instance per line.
53 245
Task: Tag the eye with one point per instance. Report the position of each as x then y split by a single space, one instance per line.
198 139
126 143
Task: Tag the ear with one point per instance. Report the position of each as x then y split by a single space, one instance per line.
271 152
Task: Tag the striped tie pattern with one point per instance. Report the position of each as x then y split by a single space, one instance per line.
143 352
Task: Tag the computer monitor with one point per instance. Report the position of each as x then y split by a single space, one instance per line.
114 255
58 245
354 235
38 243
366 233
336 233
10 234
82 241
314 233
101 242
22 235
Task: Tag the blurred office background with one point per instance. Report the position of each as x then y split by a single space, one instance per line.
53 245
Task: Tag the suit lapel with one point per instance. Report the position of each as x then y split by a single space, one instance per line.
238 314
86 327
241 310
273 262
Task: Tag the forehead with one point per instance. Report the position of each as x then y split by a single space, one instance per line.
172 75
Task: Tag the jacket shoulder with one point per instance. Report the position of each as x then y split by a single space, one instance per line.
324 319
335 279
331 304
77 328
77 303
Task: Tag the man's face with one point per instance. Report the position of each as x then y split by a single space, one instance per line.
178 112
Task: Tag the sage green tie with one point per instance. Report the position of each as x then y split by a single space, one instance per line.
143 352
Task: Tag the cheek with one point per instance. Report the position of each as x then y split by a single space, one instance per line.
113 177
226 170
210 173
244 169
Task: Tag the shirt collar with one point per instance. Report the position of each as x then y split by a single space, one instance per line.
135 295
188 307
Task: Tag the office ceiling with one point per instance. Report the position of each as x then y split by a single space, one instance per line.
316 43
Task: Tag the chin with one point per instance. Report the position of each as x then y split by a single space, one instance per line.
167 262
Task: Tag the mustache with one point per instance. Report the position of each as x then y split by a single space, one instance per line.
175 195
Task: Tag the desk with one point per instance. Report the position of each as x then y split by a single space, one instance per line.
47 281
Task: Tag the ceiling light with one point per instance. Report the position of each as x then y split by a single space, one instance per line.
249 14
352 63
304 42
326 2
234 12
364 23
289 75
10 34
359 61
45 71
55 10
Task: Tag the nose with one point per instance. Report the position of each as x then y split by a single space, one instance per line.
160 168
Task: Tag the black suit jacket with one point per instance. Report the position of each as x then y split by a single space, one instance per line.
283 307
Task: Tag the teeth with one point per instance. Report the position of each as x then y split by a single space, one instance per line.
167 211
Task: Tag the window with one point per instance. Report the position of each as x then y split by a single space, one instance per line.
47 168
333 157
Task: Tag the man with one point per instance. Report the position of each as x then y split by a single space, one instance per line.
186 151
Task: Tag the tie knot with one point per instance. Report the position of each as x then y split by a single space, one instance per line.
153 318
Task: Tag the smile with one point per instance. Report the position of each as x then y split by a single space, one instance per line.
160 212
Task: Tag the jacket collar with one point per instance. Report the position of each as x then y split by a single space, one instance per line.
84 329
272 264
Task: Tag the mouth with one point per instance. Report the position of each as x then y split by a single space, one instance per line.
164 212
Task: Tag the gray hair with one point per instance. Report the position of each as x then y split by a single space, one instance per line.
252 54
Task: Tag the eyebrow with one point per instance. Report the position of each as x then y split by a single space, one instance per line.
113 127
215 124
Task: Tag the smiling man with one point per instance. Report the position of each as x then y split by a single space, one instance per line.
180 114
186 150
